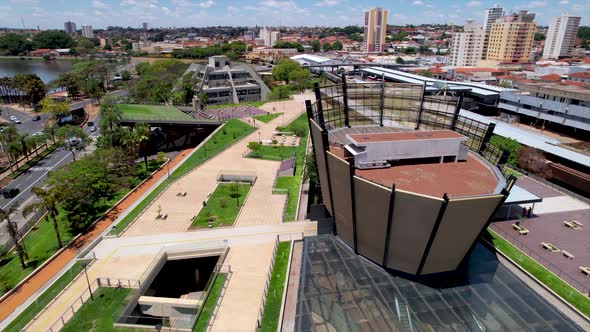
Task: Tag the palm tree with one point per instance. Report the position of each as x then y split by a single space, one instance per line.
48 200
13 231
110 114
142 135
25 146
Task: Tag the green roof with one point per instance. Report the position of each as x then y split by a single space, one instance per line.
153 113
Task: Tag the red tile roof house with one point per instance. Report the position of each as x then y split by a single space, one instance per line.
550 78
44 51
581 77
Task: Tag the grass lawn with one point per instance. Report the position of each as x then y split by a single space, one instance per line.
32 310
266 118
564 290
100 314
154 112
269 152
292 183
41 242
274 296
223 205
210 303
509 171
250 103
233 131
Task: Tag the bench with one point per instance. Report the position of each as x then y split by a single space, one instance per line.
184 194
164 217
521 230
577 223
571 225
549 246
585 270
567 254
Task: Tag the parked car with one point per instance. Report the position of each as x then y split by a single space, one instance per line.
39 133
92 129
90 124
16 120
10 193
36 118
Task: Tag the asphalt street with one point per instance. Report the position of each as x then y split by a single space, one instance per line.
35 176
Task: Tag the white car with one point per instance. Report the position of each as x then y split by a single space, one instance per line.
39 133
15 120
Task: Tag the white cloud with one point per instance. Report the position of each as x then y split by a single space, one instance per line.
166 10
417 3
327 3
185 3
564 2
206 4
100 5
536 4
128 3
474 4
277 4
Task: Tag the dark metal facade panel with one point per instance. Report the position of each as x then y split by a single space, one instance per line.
371 218
459 228
320 157
342 197
412 223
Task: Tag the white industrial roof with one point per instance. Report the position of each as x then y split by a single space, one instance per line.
519 195
309 58
476 88
526 137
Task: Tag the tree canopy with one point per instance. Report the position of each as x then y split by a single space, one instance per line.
156 80
14 44
53 40
316 45
288 44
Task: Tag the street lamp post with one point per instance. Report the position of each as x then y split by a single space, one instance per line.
168 168
88 280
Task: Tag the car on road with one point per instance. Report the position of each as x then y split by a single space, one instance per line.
10 193
92 129
14 119
90 124
36 118
39 133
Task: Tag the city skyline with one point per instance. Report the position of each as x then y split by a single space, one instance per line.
185 13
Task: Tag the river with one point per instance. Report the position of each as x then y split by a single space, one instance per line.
46 70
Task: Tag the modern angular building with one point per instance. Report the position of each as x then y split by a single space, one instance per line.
87 31
410 184
490 16
467 46
511 38
375 29
561 37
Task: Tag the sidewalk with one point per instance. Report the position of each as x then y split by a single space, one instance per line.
38 280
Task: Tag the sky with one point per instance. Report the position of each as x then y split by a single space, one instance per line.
51 14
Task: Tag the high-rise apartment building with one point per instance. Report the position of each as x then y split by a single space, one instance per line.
561 37
269 37
375 29
87 31
70 28
511 38
467 46
490 16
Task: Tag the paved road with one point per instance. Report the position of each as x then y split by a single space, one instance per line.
28 126
34 177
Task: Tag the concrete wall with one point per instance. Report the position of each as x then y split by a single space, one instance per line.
462 221
371 223
341 197
316 138
412 223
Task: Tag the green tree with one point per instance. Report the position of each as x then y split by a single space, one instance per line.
409 50
70 81
110 114
73 138
337 45
327 47
5 214
425 73
14 44
399 60
539 36
507 144
53 40
358 37
281 71
316 45
287 44
31 85
423 49
55 109
47 201
142 136
280 92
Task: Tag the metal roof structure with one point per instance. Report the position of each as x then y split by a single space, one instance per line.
541 142
432 84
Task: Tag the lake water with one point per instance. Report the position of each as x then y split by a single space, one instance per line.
46 70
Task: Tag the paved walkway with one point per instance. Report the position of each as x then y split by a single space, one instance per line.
251 240
42 276
261 207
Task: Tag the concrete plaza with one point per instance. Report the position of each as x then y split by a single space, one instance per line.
251 240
